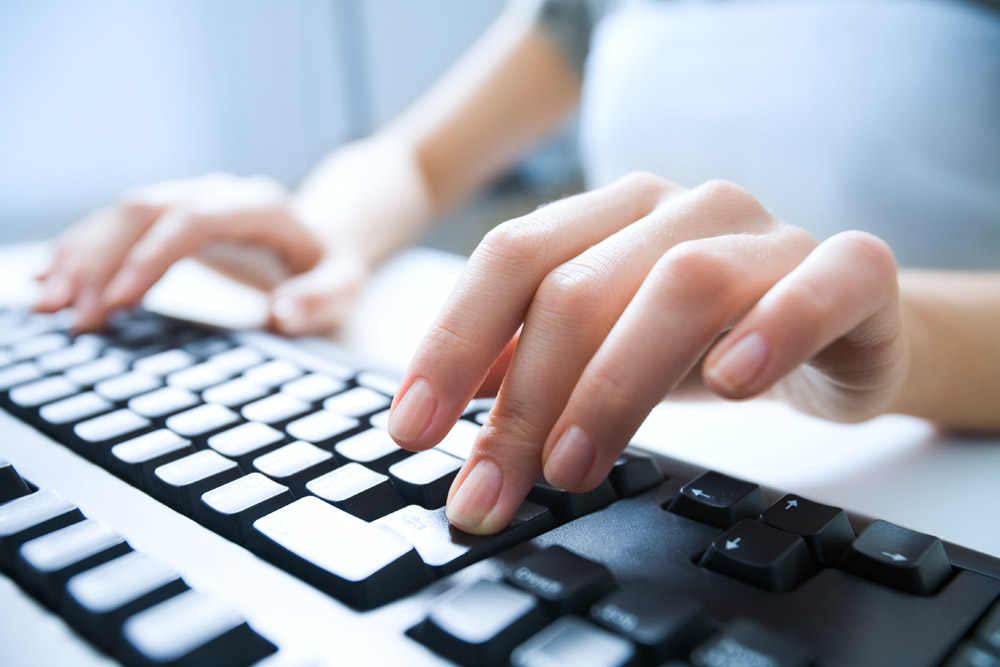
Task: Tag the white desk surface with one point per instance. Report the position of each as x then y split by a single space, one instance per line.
896 468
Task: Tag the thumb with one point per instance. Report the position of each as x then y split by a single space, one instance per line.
319 300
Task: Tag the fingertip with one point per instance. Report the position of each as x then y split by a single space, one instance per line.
288 316
473 499
571 460
57 293
412 413
90 312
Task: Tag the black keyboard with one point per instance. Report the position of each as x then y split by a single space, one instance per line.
242 456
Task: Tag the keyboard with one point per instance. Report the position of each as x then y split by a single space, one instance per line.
176 494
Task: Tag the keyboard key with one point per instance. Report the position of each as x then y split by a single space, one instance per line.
31 516
760 555
825 529
574 641
190 629
313 387
74 409
744 642
633 474
295 464
164 363
719 500
275 409
16 374
661 622
899 558
322 427
234 393
162 402
100 433
181 483
80 352
89 374
566 505
98 601
199 377
124 387
231 509
237 359
357 402
565 582
206 346
202 421
481 624
135 460
40 392
459 440
379 382
246 442
271 374
359 563
33 346
988 630
446 549
46 563
424 478
970 654
357 490
373 448
11 484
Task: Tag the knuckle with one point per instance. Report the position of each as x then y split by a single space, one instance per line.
646 182
513 243
697 271
576 290
729 203
869 250
442 338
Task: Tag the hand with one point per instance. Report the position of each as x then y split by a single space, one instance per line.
618 293
113 256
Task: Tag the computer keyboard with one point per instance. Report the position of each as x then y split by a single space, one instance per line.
179 494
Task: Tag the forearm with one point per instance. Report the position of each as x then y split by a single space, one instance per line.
953 325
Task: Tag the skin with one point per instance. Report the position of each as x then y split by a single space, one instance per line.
582 314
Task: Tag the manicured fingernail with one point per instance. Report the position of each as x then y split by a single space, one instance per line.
413 413
289 315
741 363
476 496
571 459
122 288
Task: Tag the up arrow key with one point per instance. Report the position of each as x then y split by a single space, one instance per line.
791 504
733 544
897 557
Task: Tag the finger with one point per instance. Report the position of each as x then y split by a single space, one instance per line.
319 300
491 297
845 289
695 291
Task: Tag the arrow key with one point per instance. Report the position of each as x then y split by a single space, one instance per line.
825 529
760 555
899 558
718 500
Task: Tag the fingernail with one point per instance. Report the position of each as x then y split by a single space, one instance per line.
121 288
571 459
476 496
413 413
56 292
89 313
741 363
289 315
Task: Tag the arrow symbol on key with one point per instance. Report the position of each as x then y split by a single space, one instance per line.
699 493
733 544
791 504
896 557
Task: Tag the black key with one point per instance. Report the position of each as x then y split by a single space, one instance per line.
11 484
97 602
825 529
988 630
295 464
124 387
162 402
446 549
574 641
31 516
234 393
246 442
199 377
481 624
357 490
744 642
359 563
40 392
202 421
634 474
357 402
271 374
661 622
565 582
207 346
135 460
164 363
899 558
99 434
373 448
190 629
566 505
75 408
760 555
424 478
275 409
180 483
46 563
231 509
322 427
313 387
90 373
971 654
719 500
17 374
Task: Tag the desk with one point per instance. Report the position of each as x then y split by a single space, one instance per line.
896 468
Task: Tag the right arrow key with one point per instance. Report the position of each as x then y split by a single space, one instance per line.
899 558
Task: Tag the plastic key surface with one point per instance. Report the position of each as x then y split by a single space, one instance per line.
744 642
574 641
181 483
424 478
246 442
231 509
295 464
760 555
566 505
899 558
11 484
825 529
374 448
136 459
357 490
719 500
564 581
30 516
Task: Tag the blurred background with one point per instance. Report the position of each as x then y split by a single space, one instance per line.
99 96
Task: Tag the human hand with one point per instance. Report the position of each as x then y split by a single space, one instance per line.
618 293
113 256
